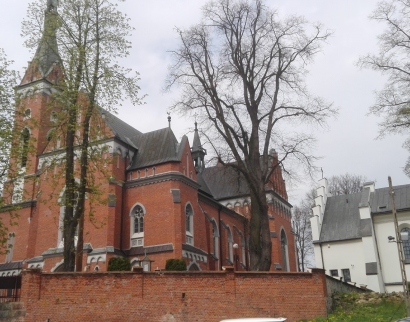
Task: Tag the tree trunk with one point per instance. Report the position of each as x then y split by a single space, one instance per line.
69 195
260 245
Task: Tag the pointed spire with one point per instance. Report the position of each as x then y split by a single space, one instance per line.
196 145
47 50
198 152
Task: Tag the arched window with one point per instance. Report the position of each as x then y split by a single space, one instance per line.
138 220
230 244
53 117
137 225
62 203
27 114
215 236
406 243
284 250
189 224
10 246
25 136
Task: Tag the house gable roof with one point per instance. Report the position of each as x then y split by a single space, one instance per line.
341 219
225 182
121 130
155 147
380 200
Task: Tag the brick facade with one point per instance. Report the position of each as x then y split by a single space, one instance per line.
172 296
152 171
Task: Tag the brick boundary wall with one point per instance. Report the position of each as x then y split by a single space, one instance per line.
172 296
337 286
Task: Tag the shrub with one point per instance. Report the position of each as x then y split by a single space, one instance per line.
119 264
175 265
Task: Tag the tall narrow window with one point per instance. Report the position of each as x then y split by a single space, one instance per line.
25 136
138 220
137 225
61 201
284 250
230 245
27 114
406 244
10 246
189 224
215 236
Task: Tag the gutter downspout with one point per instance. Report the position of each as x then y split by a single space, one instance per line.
123 199
245 231
220 239
378 253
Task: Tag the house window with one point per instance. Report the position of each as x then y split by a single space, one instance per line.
346 275
62 202
27 114
10 246
243 248
215 236
284 250
230 245
137 225
406 244
189 224
334 273
25 136
53 117
138 220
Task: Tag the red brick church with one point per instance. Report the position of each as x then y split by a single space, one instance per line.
161 200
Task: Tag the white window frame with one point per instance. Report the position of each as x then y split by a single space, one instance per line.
137 239
189 231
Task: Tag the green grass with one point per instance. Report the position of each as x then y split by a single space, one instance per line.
347 309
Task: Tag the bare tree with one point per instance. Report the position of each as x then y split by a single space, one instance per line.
303 231
346 184
242 70
87 37
393 101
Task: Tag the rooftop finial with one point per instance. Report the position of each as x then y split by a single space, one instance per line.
169 119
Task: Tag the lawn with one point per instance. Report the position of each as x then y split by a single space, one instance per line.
373 307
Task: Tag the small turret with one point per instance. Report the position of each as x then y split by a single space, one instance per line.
198 152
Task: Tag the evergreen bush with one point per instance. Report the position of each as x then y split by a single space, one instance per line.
174 264
119 264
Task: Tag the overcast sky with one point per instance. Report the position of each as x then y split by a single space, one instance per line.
348 144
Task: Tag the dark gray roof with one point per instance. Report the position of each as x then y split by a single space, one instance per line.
341 220
156 147
11 266
141 250
204 187
380 200
121 130
193 249
225 182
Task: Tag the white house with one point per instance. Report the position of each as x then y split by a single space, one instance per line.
350 235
